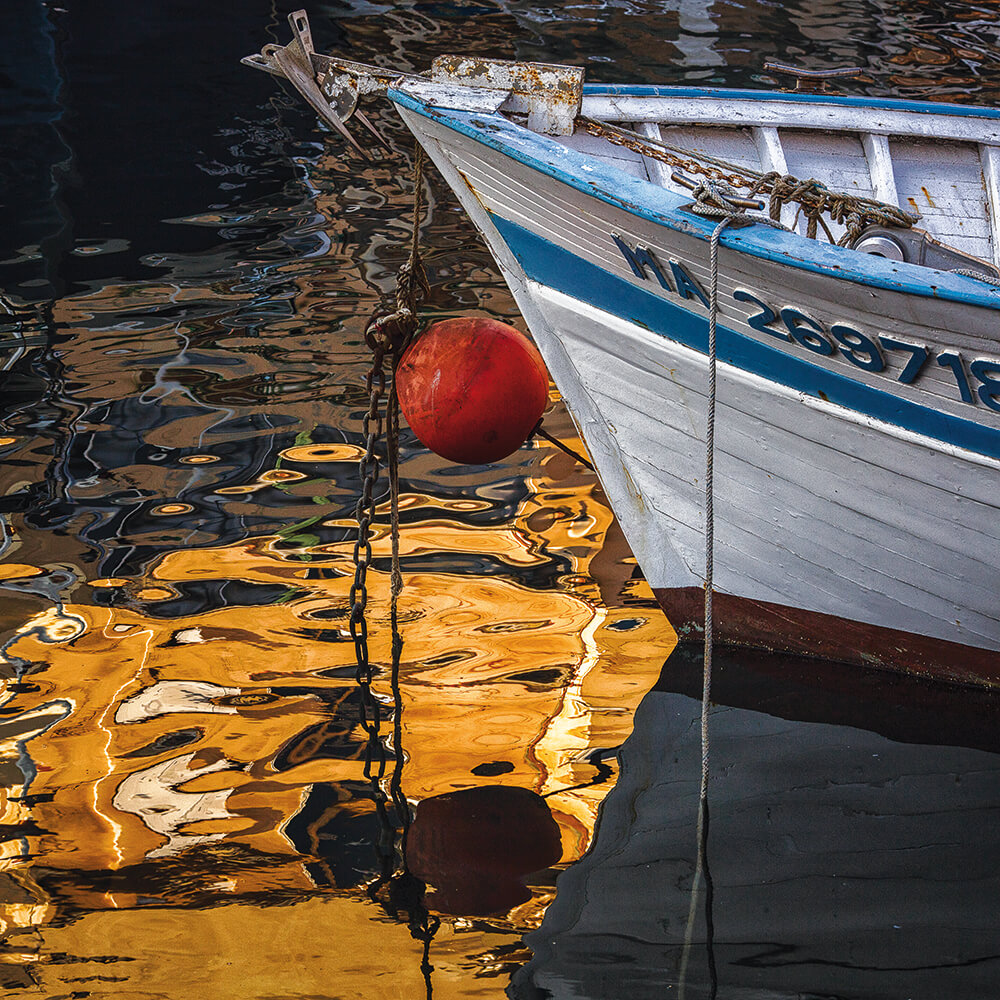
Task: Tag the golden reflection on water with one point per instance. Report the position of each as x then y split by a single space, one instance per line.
182 796
179 750
183 799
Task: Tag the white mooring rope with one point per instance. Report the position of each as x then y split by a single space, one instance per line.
706 688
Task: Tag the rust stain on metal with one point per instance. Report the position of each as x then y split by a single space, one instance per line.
550 95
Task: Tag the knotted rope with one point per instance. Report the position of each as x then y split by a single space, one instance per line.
813 197
393 329
715 199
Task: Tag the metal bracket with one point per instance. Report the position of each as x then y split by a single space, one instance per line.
915 246
549 94
733 199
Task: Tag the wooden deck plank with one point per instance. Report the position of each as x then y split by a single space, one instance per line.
989 157
944 183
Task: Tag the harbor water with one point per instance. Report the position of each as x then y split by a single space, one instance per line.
189 805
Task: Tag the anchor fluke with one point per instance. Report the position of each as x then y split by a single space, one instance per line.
330 86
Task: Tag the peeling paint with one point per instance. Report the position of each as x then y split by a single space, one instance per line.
550 95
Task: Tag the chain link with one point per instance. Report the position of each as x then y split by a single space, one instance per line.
813 197
369 709
388 334
621 137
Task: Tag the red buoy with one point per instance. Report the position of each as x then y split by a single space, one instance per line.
472 389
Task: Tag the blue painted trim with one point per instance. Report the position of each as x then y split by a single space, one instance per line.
556 268
838 100
639 198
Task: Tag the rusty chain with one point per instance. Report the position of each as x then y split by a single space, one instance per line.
661 152
813 197
388 333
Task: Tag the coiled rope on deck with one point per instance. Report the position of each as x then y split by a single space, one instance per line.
855 212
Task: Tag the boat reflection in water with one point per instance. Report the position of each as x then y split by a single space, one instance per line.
853 848
182 806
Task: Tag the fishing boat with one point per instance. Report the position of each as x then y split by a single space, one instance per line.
856 288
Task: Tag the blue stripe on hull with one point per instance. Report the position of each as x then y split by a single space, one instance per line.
556 268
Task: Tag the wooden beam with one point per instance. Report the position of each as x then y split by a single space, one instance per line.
880 167
658 171
742 112
989 157
772 157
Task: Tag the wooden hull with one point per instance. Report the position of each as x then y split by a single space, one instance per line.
857 445
855 503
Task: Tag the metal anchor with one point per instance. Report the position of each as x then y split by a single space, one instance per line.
331 87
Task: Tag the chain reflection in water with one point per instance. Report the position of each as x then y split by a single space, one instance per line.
192 742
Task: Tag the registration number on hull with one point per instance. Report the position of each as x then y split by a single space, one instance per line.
977 380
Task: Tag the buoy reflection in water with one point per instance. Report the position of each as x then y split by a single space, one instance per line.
215 755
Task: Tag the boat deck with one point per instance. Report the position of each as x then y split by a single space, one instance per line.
943 167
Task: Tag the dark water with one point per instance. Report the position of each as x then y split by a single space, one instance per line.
187 262
852 852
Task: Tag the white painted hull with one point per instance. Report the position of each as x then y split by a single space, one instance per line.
805 513
818 508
